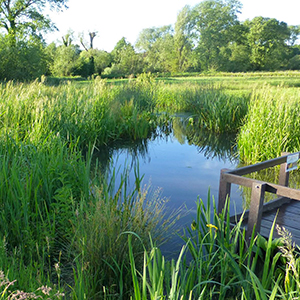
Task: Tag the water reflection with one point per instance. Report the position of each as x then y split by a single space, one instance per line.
221 146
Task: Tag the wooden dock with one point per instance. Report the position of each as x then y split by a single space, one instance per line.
260 216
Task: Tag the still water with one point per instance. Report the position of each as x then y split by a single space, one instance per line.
183 162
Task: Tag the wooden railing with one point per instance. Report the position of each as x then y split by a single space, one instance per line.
257 205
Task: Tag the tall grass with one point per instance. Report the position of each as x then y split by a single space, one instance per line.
218 263
98 113
211 107
63 223
272 124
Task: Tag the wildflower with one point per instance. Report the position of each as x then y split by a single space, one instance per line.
45 290
210 226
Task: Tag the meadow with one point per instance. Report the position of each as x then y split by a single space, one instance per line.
68 232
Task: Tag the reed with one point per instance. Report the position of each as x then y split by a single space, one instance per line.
271 126
218 263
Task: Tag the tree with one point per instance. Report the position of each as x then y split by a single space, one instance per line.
215 23
101 60
267 40
26 60
125 60
183 40
65 61
157 46
26 16
294 34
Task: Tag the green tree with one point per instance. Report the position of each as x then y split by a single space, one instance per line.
267 40
215 23
101 60
294 34
25 60
157 46
66 61
125 60
184 40
26 16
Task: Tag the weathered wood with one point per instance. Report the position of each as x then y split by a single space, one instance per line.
256 208
283 175
269 206
260 166
277 189
260 216
276 203
224 190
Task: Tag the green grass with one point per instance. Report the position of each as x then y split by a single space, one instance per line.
271 126
223 265
63 221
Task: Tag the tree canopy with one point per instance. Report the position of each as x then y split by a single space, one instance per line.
26 16
206 37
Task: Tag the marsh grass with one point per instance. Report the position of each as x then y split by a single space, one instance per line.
100 236
272 125
63 222
216 262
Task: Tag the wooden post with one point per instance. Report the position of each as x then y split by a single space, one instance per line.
283 175
256 208
224 190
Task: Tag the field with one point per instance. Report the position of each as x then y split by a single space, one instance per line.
64 226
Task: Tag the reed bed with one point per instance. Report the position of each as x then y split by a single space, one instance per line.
216 262
271 126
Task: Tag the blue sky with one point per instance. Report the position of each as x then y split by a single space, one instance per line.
114 19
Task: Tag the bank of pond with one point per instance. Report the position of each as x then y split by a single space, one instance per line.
99 185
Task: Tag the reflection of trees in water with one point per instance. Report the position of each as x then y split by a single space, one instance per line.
180 126
211 145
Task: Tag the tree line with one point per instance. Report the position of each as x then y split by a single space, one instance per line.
206 37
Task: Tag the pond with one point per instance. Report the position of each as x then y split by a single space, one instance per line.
183 162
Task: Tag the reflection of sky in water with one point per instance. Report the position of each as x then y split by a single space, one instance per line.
184 174
180 170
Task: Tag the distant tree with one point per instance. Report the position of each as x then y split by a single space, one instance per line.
125 60
215 24
157 46
184 40
267 39
65 62
26 60
67 39
101 59
294 34
26 16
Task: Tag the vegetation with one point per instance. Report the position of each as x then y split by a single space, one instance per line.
68 230
78 244
206 37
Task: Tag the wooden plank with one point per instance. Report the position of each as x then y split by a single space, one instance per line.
285 219
283 175
256 208
260 166
276 203
273 188
293 226
269 206
224 190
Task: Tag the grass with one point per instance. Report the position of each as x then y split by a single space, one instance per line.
63 221
216 262
271 126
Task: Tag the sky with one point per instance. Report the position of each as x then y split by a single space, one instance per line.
114 19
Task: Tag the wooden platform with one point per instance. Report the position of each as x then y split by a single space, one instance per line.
261 215
288 217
